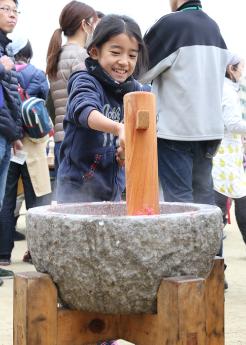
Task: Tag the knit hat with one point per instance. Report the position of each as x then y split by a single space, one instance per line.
234 59
17 44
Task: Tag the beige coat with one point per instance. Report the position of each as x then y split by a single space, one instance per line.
71 59
37 164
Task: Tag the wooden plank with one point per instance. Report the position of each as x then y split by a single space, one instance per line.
82 328
20 310
142 188
215 304
140 329
35 309
181 312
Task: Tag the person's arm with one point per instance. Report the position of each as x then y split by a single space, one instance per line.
232 114
99 122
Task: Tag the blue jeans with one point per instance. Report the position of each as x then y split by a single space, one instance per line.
7 217
57 156
185 171
5 152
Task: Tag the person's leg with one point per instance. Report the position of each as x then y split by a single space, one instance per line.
30 197
7 217
57 162
57 156
202 181
221 202
5 151
175 163
240 213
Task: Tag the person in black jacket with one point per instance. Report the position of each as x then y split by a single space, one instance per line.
10 116
37 189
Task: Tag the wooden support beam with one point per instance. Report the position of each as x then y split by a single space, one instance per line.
35 309
77 328
190 311
215 304
181 310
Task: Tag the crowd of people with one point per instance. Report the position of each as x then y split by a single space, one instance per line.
183 59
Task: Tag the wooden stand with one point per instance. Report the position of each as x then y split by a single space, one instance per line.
190 311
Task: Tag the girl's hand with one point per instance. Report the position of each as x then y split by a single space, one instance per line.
120 156
120 153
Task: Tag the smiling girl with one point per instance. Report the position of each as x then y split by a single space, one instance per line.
89 164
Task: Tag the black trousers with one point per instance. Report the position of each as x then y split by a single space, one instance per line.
240 211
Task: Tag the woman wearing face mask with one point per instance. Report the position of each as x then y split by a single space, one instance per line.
77 22
228 172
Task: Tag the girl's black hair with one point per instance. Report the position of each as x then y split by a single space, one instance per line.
25 53
113 25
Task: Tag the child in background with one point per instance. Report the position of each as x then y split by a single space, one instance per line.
228 171
90 165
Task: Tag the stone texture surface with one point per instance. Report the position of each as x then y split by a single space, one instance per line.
105 261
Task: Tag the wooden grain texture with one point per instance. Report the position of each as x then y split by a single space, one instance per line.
142 188
82 328
181 313
35 310
190 311
215 304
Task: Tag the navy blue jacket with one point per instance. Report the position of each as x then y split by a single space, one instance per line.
33 81
87 157
10 115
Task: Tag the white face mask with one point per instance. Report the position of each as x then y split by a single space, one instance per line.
88 39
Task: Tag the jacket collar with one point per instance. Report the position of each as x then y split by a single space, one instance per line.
120 89
192 3
4 40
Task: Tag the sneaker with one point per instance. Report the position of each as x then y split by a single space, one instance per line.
18 236
6 273
5 260
27 257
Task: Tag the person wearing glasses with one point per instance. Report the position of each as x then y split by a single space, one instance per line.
10 117
77 22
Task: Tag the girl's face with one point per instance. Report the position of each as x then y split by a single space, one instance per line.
118 56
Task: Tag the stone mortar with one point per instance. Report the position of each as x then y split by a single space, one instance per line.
104 261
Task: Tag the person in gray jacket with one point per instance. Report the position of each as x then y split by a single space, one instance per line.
188 59
77 21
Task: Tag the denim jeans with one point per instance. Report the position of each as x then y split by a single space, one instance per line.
185 171
5 152
7 216
57 156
